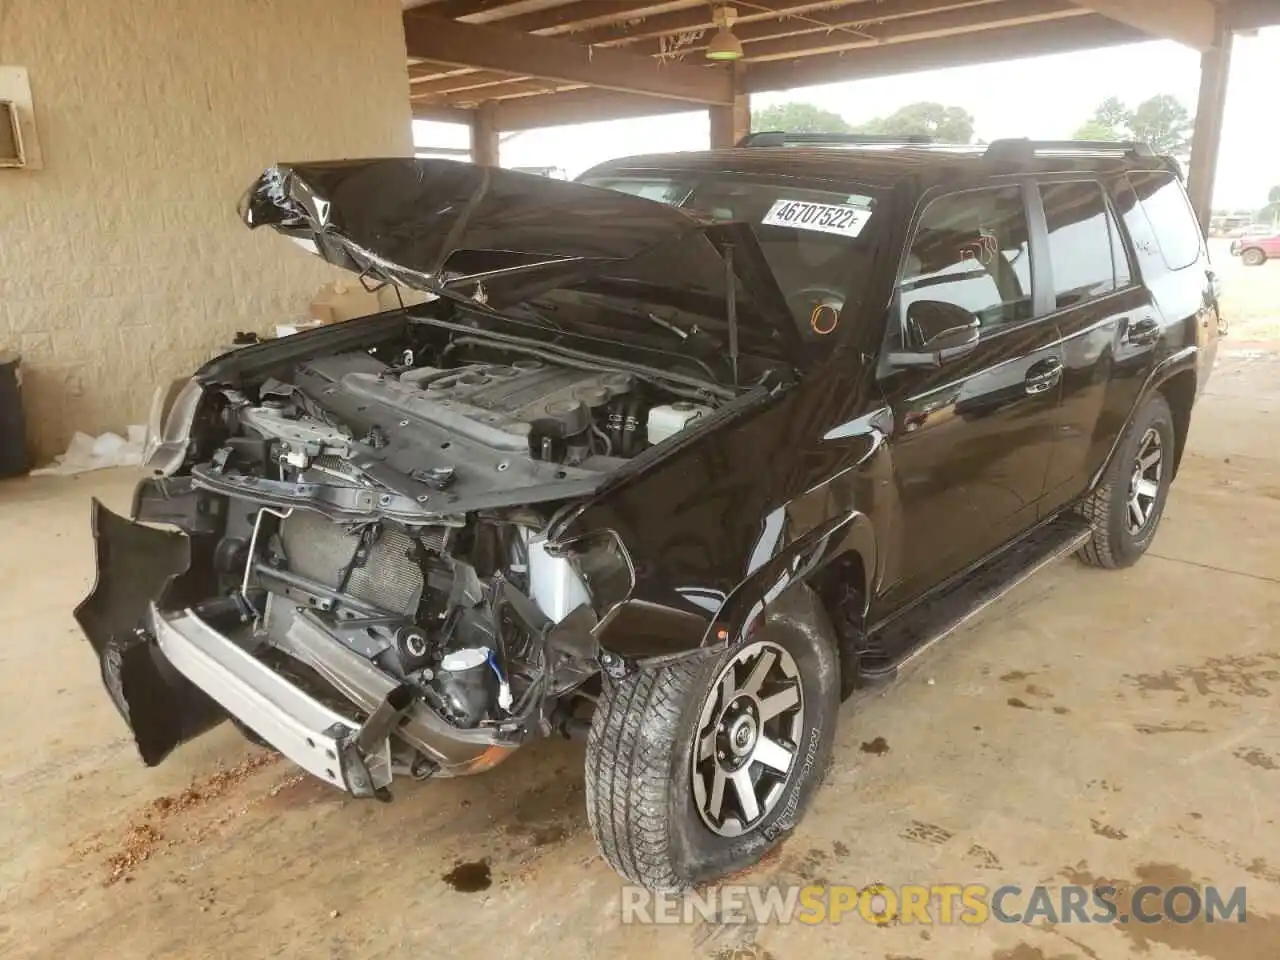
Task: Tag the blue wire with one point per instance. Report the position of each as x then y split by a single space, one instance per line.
493 662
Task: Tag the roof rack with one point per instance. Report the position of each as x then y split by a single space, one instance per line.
1021 148
781 138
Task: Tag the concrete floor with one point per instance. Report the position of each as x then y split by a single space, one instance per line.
1118 725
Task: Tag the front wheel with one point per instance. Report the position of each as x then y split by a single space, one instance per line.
697 768
1253 257
1126 508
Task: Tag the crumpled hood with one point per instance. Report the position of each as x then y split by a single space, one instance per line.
440 226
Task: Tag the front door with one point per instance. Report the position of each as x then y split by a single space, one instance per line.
972 436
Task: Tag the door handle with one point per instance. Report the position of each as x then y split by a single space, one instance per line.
1142 333
1043 376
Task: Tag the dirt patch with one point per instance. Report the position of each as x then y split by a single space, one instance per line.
982 858
1039 692
140 841
142 836
1226 939
469 877
879 746
1257 758
212 787
1234 676
1111 833
1019 704
1194 726
1263 871
1013 676
926 833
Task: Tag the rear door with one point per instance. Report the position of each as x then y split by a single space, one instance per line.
971 437
1109 325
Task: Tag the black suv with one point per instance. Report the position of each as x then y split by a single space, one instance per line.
672 457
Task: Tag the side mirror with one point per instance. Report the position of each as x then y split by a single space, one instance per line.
936 332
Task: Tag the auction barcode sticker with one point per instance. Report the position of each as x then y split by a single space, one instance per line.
838 218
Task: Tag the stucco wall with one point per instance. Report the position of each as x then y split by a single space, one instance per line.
122 262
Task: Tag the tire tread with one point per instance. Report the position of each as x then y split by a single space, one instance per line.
628 782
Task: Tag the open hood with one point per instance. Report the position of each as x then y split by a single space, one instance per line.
498 237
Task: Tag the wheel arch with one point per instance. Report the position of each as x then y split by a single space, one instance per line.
1179 391
1174 379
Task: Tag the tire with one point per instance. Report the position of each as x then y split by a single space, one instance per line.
641 800
1253 257
1118 540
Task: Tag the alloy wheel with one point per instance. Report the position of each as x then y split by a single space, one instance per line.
749 730
1144 482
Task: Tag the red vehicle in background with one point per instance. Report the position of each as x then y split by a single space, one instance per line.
1256 249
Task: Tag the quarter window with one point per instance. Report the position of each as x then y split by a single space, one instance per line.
1169 212
972 250
1082 243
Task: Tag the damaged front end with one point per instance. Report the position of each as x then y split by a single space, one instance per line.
361 574
334 618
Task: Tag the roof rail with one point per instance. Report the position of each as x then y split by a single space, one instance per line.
1021 148
781 138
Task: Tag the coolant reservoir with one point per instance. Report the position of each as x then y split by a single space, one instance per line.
670 418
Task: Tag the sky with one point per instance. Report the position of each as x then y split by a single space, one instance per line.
1042 97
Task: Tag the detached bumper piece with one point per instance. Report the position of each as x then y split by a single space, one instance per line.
320 740
136 566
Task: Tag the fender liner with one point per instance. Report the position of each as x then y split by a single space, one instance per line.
640 633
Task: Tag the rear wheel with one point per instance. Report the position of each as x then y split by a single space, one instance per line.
1126 508
697 768
1254 257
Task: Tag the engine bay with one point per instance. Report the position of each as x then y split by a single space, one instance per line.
392 510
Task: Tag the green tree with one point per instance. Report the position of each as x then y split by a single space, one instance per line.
1095 129
798 117
1162 122
1274 195
1112 113
1165 124
927 119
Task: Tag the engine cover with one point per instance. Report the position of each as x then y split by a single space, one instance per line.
492 404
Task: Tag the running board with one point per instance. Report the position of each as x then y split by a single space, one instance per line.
901 640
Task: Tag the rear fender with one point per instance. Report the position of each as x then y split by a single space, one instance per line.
1180 362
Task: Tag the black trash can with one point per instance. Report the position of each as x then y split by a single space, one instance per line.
13 430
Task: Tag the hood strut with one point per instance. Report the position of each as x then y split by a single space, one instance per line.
731 301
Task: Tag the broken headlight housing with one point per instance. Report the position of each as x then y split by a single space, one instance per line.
173 411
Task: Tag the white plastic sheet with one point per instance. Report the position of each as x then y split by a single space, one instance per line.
87 453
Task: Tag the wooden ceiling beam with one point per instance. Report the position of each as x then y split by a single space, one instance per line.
580 106
492 48
586 14
851 22
437 73
649 26
1007 13
468 99
1193 22
1008 43
484 11
1252 14
467 81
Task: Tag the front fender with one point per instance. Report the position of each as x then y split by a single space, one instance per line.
796 562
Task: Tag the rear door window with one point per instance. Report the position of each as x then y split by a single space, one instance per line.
1082 242
1169 214
972 250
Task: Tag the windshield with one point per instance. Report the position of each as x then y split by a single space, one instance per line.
816 241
